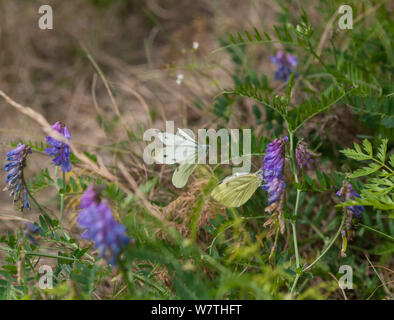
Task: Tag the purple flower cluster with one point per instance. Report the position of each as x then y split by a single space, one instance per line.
91 196
59 149
108 235
273 170
303 155
286 63
16 162
347 192
31 231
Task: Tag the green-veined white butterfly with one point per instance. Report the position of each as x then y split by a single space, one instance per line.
235 190
182 149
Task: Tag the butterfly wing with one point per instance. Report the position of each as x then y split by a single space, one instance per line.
235 190
174 154
187 166
182 173
170 139
186 136
178 148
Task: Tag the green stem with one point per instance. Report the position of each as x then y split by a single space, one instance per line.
40 254
377 232
317 57
381 280
47 218
62 202
293 222
319 233
292 160
44 213
293 225
319 257
328 246
294 283
383 165
35 201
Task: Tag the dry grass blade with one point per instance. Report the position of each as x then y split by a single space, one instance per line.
343 291
46 127
151 208
99 168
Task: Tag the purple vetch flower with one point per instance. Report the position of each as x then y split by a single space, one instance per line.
303 155
286 63
108 235
31 230
347 192
15 182
59 149
273 170
90 196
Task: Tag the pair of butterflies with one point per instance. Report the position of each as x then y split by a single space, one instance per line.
233 191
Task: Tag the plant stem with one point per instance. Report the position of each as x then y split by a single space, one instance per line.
293 222
377 232
62 202
383 165
381 280
40 254
294 283
293 225
328 246
44 213
319 257
35 201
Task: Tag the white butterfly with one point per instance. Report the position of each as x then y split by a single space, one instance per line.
235 190
182 149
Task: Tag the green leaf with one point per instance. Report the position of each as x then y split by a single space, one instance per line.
368 147
372 167
355 154
392 160
381 155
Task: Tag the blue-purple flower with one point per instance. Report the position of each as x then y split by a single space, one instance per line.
91 196
108 235
58 149
348 193
31 231
15 181
303 155
286 63
273 171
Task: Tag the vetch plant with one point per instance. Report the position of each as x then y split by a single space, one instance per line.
303 155
286 64
96 217
348 193
58 149
15 178
115 226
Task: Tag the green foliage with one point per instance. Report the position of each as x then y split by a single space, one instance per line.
42 180
200 250
373 110
378 190
295 117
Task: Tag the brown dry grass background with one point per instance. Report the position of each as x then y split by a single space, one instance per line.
140 46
